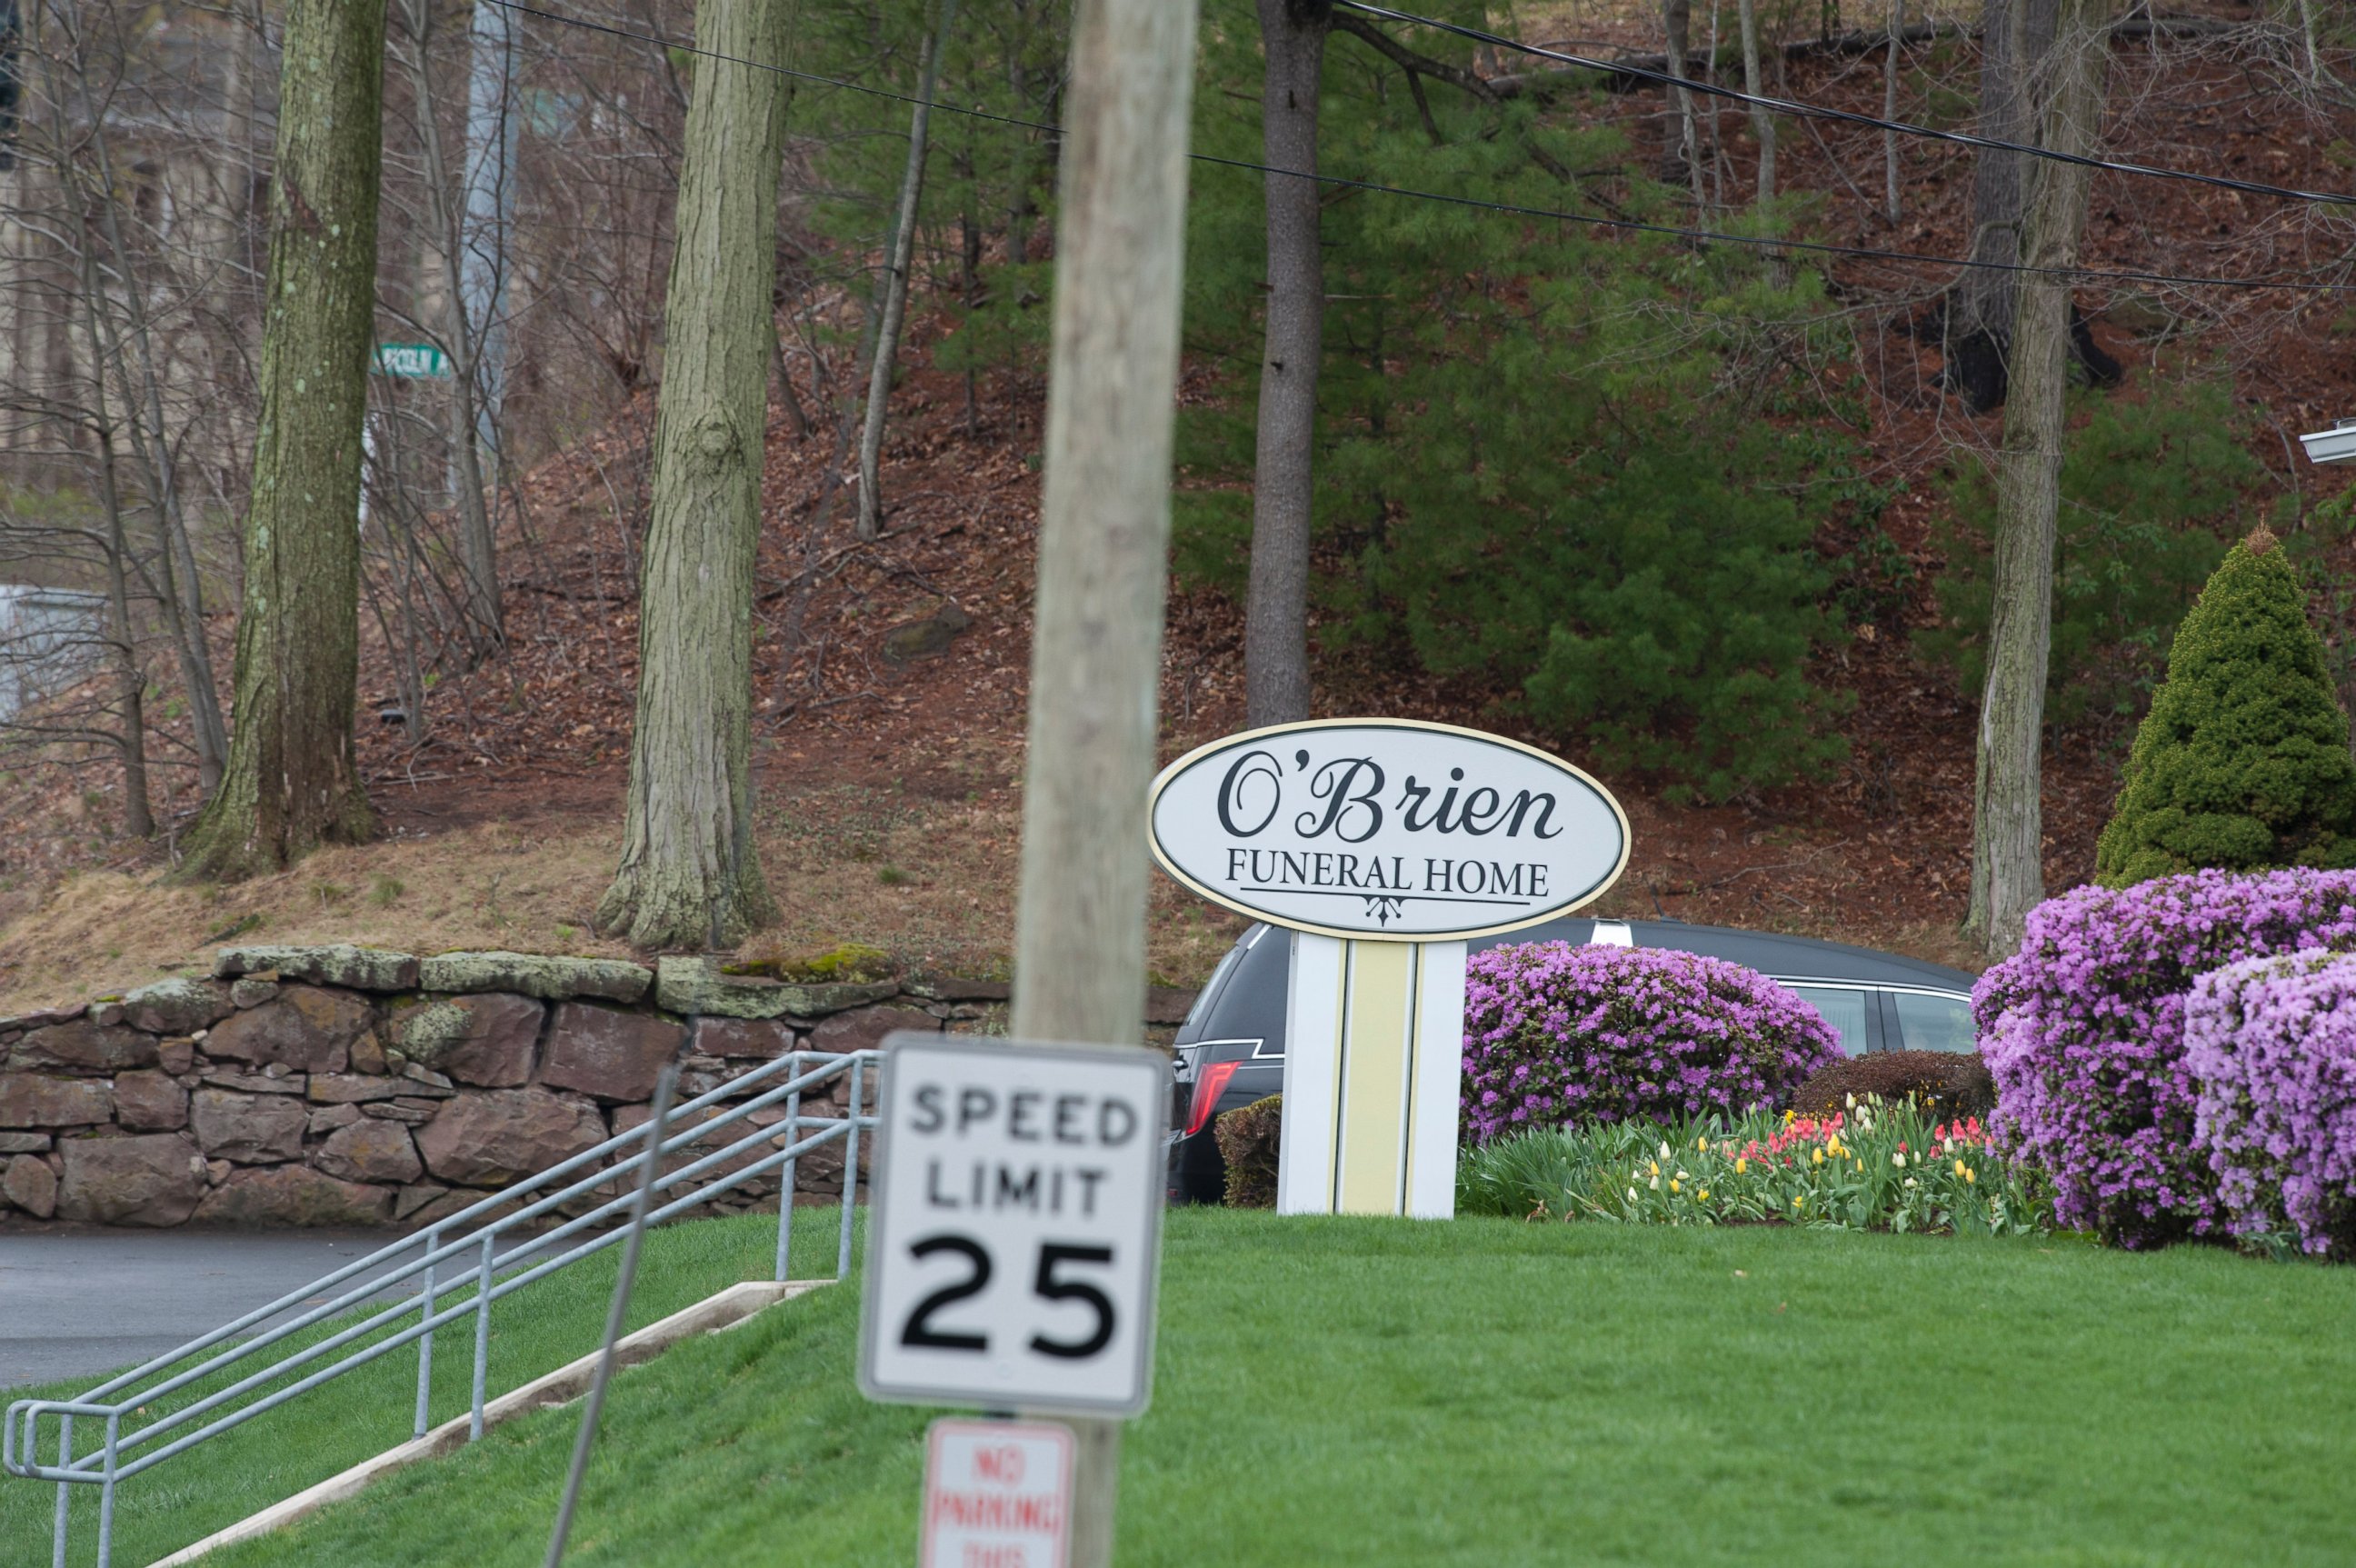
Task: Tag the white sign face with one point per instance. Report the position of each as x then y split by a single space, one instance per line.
1386 828
1014 1233
998 1494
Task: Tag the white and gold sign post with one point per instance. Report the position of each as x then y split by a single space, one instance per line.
1383 844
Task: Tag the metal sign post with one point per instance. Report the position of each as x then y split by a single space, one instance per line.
1383 843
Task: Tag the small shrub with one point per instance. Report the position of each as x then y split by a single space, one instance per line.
2083 1032
1248 1141
2243 763
1876 1167
1555 1034
1948 1085
385 891
2271 1043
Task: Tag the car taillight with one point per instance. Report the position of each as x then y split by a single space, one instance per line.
1210 1082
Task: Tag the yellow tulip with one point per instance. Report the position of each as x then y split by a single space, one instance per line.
1740 1165
1703 1195
1674 1186
1961 1170
1798 1199
1820 1157
1656 1167
1971 1177
1702 1143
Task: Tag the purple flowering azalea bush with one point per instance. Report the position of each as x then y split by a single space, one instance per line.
1556 1034
2084 1031
2271 1045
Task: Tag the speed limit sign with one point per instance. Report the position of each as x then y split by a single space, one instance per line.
1015 1234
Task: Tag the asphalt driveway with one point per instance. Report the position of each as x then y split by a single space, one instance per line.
77 1303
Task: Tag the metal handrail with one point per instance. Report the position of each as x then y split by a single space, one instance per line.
468 1233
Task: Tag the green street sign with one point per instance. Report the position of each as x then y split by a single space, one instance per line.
410 359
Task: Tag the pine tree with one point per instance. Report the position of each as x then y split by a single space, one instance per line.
2243 763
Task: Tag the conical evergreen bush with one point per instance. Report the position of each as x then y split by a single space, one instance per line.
2243 764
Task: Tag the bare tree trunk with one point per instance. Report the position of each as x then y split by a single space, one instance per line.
130 680
1889 108
2008 830
1676 21
1763 122
2015 36
903 249
1284 478
478 564
123 649
1104 532
689 874
292 783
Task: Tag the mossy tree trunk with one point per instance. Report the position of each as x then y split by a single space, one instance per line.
291 783
689 875
2008 829
1284 474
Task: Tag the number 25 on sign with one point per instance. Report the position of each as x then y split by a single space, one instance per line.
1014 1239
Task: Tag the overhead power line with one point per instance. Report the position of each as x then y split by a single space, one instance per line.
1850 117
1627 225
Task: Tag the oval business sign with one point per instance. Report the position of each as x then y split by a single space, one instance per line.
1386 828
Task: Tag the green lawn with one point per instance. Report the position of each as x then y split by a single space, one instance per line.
1488 1393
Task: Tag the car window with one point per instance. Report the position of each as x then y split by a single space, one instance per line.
1934 1023
1843 1009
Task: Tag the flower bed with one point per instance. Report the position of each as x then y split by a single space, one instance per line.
2271 1044
1869 1167
2083 1030
1555 1034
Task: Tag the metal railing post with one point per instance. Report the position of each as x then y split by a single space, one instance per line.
106 1494
786 1195
426 1341
849 1170
482 1340
65 1489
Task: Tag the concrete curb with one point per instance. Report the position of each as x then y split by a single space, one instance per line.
729 1308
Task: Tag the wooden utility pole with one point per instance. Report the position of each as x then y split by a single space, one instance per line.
1095 654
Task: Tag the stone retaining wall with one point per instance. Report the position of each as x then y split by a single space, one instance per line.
345 1086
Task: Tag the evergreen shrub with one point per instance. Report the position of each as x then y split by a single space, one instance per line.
2271 1045
1949 1085
1556 1034
2243 763
1587 471
2083 1032
1249 1140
